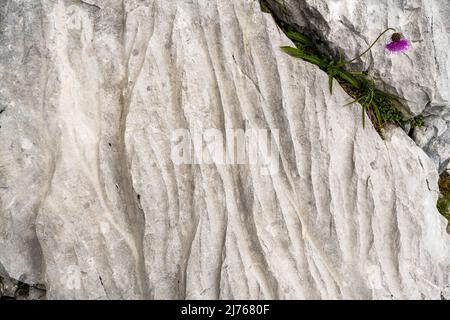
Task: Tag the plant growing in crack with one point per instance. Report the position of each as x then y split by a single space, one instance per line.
443 203
382 107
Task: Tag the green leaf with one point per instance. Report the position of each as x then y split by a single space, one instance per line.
297 53
349 78
330 84
390 95
332 70
370 98
354 101
378 115
364 116
298 37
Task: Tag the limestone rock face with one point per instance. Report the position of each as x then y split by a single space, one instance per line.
434 138
93 206
421 75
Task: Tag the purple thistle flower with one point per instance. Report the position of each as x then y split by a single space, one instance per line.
398 43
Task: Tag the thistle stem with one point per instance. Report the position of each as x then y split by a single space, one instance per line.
368 49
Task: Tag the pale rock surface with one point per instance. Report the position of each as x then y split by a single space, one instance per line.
421 75
434 138
93 207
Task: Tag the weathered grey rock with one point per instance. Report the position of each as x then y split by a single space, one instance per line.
421 75
7 288
93 206
434 138
13 289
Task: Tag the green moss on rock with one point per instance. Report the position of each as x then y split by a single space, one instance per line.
443 204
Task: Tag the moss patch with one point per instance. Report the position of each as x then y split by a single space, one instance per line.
443 204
